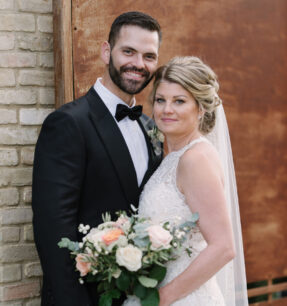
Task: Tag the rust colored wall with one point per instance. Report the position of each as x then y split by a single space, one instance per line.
245 41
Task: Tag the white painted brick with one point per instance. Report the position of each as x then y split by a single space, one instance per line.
8 116
27 155
46 60
9 234
37 6
47 95
15 176
7 41
27 195
18 135
10 273
28 233
21 176
9 196
10 303
7 78
8 157
12 96
16 215
19 59
19 252
36 77
33 269
34 302
34 42
17 22
6 4
33 116
45 24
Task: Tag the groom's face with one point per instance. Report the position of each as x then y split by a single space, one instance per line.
134 58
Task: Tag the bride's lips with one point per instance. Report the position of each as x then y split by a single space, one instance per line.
168 120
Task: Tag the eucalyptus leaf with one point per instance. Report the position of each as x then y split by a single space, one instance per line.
151 299
147 282
67 243
141 242
123 281
139 290
158 273
106 299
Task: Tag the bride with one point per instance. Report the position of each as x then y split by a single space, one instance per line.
197 175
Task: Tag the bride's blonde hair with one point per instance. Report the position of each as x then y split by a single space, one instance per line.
198 79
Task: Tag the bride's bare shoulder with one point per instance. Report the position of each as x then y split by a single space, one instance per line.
200 157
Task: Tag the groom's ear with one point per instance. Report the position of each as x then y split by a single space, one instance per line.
106 52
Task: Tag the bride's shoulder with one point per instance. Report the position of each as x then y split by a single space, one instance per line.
201 156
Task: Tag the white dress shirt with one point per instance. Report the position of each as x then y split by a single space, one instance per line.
130 129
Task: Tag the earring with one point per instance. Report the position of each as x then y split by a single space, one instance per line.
199 117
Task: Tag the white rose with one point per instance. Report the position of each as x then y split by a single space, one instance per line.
159 237
129 257
95 237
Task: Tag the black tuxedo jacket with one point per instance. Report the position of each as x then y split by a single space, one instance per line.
82 168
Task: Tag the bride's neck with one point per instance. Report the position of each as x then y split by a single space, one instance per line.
176 142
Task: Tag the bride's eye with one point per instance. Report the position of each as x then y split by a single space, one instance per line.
179 101
159 100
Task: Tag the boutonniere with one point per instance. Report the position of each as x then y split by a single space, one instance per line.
157 139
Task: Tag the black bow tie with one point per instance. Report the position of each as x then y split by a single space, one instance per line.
133 113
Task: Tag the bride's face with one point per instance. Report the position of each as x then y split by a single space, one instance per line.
175 110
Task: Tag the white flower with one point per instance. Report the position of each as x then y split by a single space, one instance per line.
159 237
129 257
81 281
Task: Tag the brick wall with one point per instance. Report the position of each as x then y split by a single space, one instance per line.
26 98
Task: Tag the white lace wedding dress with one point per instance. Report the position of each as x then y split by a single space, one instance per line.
162 201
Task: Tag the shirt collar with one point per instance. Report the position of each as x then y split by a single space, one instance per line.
111 100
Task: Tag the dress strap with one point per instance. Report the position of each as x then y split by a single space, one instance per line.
191 144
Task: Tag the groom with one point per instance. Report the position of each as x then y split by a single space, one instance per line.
93 155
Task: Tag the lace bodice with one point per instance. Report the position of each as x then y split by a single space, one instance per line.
162 201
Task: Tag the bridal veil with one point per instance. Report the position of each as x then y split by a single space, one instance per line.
232 277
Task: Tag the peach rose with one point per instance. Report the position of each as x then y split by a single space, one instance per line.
112 235
83 266
159 237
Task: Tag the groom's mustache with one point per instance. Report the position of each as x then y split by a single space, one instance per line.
144 72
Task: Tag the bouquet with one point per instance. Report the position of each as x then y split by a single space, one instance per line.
127 256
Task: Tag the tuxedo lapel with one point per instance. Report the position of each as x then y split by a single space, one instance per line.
115 145
154 160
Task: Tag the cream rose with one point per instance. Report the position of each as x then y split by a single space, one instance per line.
129 257
159 237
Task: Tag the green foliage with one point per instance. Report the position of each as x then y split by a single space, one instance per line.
123 281
106 299
139 290
151 298
158 273
147 281
67 243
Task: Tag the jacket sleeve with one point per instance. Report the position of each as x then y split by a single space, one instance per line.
59 167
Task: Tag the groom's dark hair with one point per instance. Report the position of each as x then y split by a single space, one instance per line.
139 19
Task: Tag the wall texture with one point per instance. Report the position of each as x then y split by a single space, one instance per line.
26 98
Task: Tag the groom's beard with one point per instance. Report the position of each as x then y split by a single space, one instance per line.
131 87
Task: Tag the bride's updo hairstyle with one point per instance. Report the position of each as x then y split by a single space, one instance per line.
198 79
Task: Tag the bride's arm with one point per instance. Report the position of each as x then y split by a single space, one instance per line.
199 179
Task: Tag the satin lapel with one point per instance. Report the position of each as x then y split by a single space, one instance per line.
154 160
115 145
